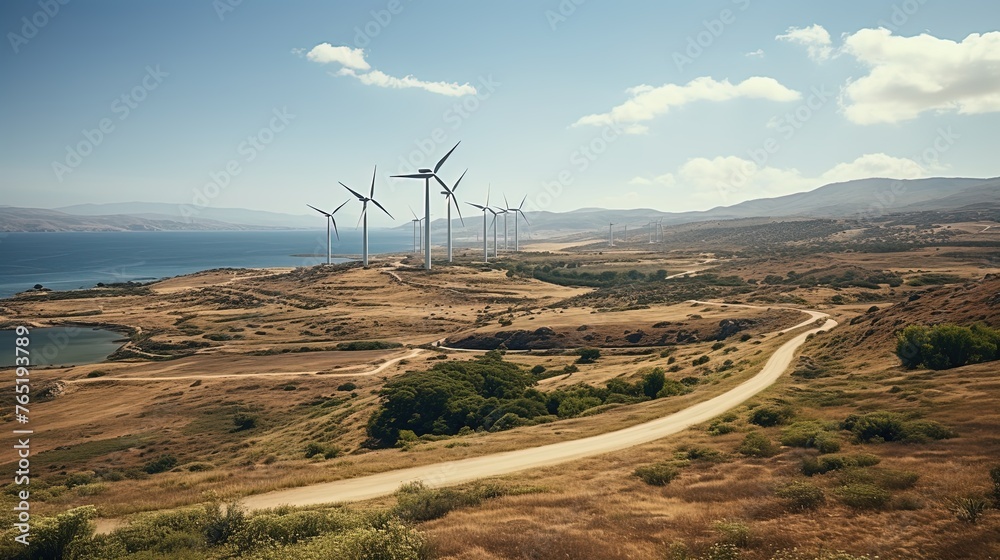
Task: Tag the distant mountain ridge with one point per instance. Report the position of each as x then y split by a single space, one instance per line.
859 198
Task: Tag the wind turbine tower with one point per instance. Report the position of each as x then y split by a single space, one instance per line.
517 211
611 235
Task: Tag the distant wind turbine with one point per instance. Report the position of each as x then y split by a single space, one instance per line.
329 219
611 235
504 211
449 200
517 211
364 214
416 231
426 175
485 208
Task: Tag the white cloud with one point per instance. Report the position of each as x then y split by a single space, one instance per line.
815 38
354 64
381 79
722 181
666 180
911 75
648 102
759 53
326 53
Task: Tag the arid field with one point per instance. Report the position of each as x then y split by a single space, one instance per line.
235 383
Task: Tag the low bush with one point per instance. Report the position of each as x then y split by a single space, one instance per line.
756 444
969 509
811 434
882 426
359 345
767 416
863 496
801 495
735 533
588 355
349 386
826 463
162 463
658 474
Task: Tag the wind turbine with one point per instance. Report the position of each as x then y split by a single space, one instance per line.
611 235
426 175
517 211
485 208
364 214
416 231
329 218
659 230
449 200
650 226
504 211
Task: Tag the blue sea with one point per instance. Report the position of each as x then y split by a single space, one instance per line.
70 260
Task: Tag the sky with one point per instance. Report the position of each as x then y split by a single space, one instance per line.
569 104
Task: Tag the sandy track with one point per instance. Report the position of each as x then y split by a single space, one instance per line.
466 470
207 377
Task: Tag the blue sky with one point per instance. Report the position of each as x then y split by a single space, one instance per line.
575 103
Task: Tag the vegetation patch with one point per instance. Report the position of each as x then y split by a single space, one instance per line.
947 346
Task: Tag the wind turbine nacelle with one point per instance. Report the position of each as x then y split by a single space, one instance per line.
425 171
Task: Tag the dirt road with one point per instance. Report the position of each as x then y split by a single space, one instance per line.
465 470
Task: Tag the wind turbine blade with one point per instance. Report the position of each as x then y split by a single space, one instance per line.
506 204
354 192
455 188
335 226
411 176
440 163
440 182
382 208
455 202
476 205
523 216
372 194
364 210
414 213
339 207
318 210
488 187
519 206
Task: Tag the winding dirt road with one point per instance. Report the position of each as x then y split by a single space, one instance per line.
207 377
465 470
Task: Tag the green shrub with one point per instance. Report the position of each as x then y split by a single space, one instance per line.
881 426
735 533
756 444
947 346
827 463
349 386
61 536
810 434
722 551
658 474
588 355
968 509
767 416
720 427
162 463
367 345
327 451
278 529
538 370
223 523
863 496
244 421
802 495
